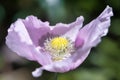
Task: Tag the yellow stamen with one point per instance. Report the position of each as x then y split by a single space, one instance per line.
59 43
59 47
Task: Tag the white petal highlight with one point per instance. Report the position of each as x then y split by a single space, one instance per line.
72 33
19 40
37 72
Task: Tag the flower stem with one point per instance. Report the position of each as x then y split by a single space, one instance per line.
56 76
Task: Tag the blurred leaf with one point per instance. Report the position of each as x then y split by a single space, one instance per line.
115 3
88 5
26 4
20 74
84 74
2 62
108 57
2 13
24 13
55 10
115 28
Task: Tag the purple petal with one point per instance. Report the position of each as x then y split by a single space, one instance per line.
72 33
42 57
36 29
91 35
92 32
68 64
79 42
19 41
60 28
62 66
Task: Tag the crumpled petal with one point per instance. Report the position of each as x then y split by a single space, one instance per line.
61 29
72 33
19 41
36 29
68 64
42 57
26 36
91 34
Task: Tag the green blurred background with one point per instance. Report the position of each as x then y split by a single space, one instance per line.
103 63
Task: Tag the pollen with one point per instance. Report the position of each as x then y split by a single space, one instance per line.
59 48
59 43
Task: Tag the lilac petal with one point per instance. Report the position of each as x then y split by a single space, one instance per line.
60 28
72 33
19 41
79 42
92 32
36 29
62 66
91 35
42 57
68 64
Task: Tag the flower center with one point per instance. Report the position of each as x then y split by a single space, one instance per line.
59 48
59 43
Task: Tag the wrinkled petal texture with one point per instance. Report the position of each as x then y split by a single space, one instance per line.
39 31
26 37
19 41
91 35
60 28
92 32
36 29
72 33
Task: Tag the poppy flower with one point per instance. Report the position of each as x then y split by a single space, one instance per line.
58 48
